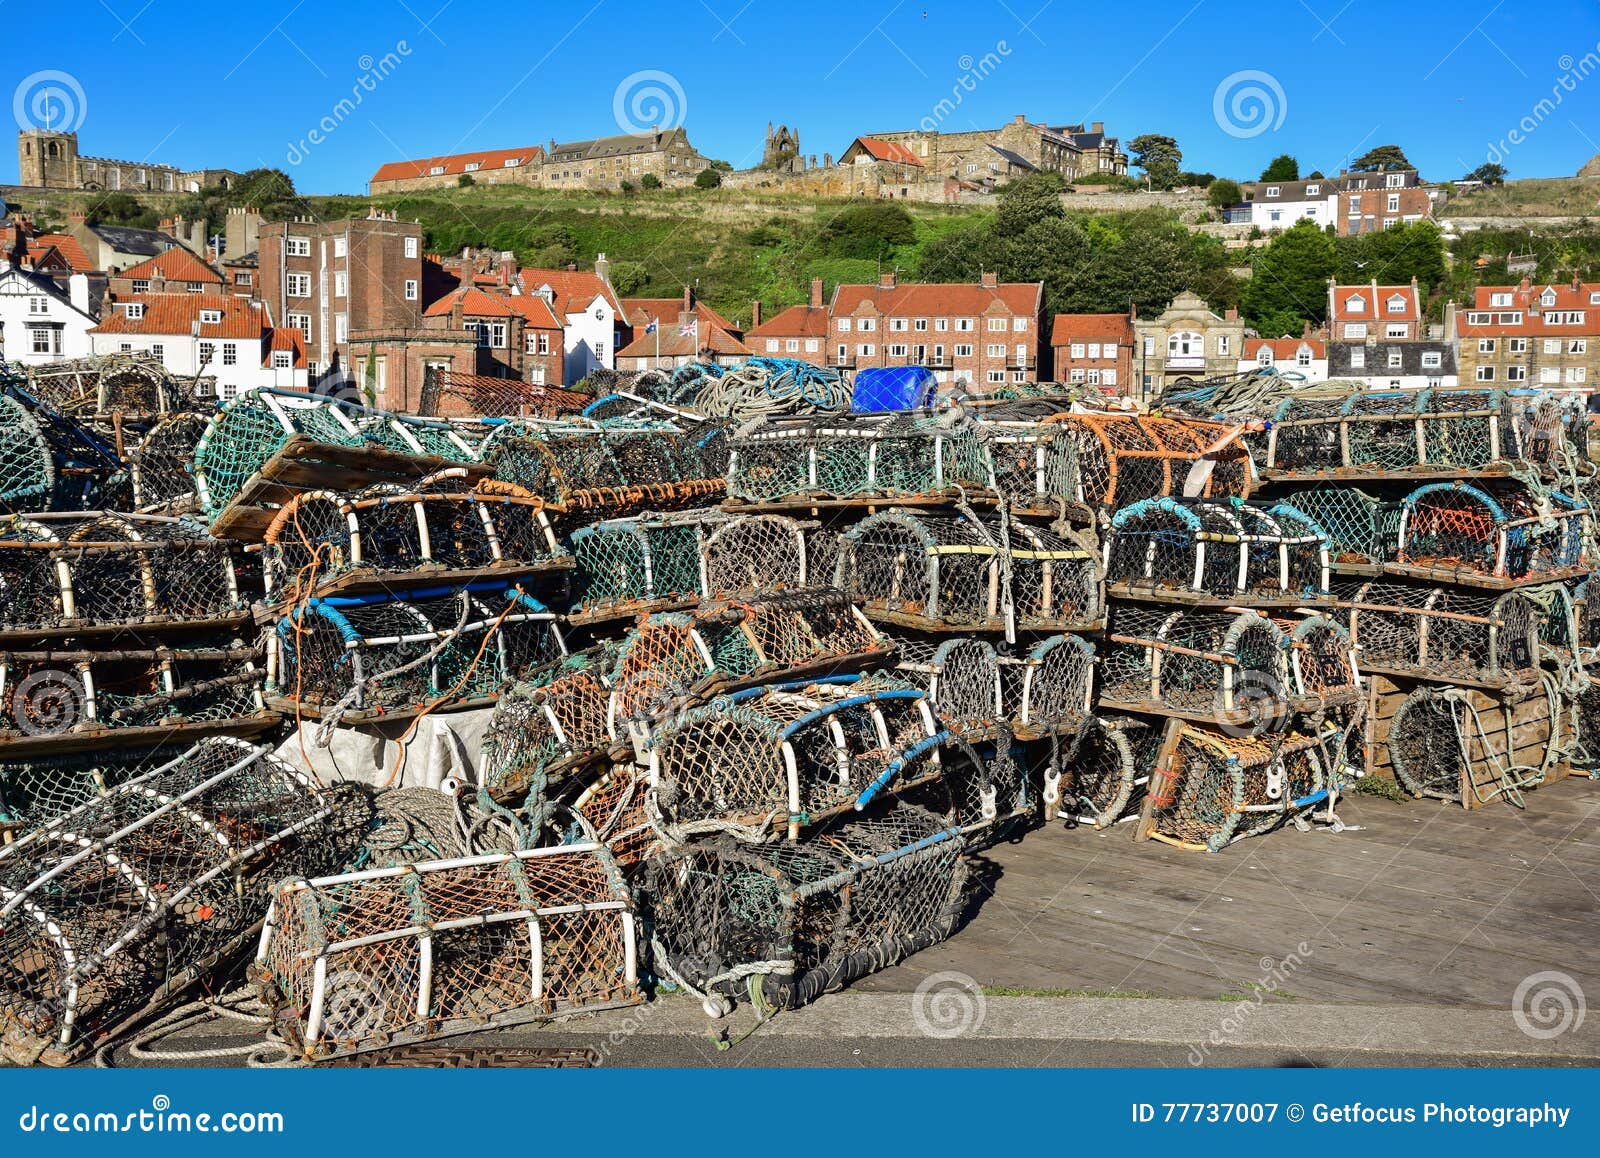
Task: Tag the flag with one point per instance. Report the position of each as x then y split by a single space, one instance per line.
651 328
689 329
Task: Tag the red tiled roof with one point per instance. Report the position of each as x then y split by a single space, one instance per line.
66 245
536 310
1284 349
940 300
889 151
474 302
574 290
1070 328
794 322
178 313
284 339
1376 309
640 312
457 163
176 264
1526 300
676 345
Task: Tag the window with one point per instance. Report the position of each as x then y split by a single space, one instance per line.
772 344
298 285
473 166
791 345
963 351
1516 345
1022 354
1265 357
1485 373
341 328
1578 346
1303 356
997 325
301 322
1577 373
1397 330
1076 375
1108 377
125 347
1552 345
134 310
210 317
1355 305
1398 304
1312 191
1394 203
1149 347
208 353
1486 345
37 305
1185 344
46 339
1396 358
938 355
1077 349
920 325
1594 299
811 345
544 343
411 246
1516 373
997 375
230 354
1356 330
340 247
1272 190
411 289
140 285
1093 350
995 350
282 360
1396 180
1358 359
866 350
1222 345
941 324
867 325
497 335
898 350
1548 298
436 171
1500 299
843 353
899 325
341 284
1549 375
964 324
297 247
1432 360
844 325
243 277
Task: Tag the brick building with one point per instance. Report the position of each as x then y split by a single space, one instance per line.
1532 335
1372 201
1095 350
985 335
1377 334
175 271
797 332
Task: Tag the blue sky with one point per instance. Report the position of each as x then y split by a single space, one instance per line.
242 85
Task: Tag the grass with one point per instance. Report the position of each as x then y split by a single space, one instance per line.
1535 197
1378 786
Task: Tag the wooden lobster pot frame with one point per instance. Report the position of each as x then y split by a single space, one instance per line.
540 732
606 470
265 446
105 573
1447 433
856 460
948 574
78 700
1459 533
1209 789
392 955
162 466
1197 552
1441 633
366 657
1051 690
129 898
789 922
1363 531
1123 459
323 543
1226 667
1472 748
1097 775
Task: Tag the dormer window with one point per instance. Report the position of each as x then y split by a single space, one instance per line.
134 310
1355 305
1272 190
1313 190
1500 299
1548 298
1397 304
210 317
472 166
1265 357
1397 180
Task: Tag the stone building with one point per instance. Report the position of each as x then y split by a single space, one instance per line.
985 156
1187 341
781 151
50 160
600 163
1532 335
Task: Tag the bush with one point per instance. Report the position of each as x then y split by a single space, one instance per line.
650 181
464 181
626 186
708 178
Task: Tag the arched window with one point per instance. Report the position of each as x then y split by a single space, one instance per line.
1186 344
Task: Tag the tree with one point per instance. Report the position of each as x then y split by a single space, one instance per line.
1394 256
626 186
708 178
1197 180
1489 173
1383 159
122 209
1316 175
1290 282
867 231
1224 193
1036 197
1159 157
1283 168
650 181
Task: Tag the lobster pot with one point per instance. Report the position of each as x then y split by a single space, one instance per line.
1586 621
1363 531
855 457
426 950
1051 691
1221 665
27 464
596 469
1171 548
113 570
1034 466
794 921
1209 789
1472 748
391 535
773 760
961 678
672 657
37 789
1443 633
1455 530
56 693
249 429
539 732
1122 459
1586 724
136 893
369 655
960 574
163 464
611 811
631 566
749 553
1097 774
1321 661
130 384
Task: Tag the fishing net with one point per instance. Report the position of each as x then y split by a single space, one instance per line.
386 535
1222 665
1122 459
364 656
1056 691
1322 662
751 553
1362 531
608 470
27 466
961 678
107 570
1442 633
163 464
1213 788
540 732
36 789
633 566
944 573
143 890
792 922
435 948
1507 532
1166 547
130 384
1096 774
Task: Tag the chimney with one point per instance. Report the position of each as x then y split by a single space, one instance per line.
1021 119
1231 316
755 313
77 217
989 280
602 269
1133 311
688 299
816 293
1098 127
78 291
886 280
1305 333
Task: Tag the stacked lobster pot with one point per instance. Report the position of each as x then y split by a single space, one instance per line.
1460 541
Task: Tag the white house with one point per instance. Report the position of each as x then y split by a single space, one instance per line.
590 314
1279 204
228 338
39 322
1306 357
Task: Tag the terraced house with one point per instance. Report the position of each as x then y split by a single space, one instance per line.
1532 335
597 163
